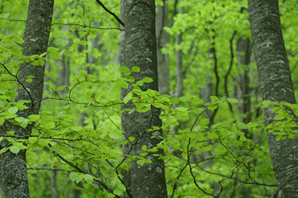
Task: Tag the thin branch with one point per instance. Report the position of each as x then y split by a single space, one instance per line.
175 185
190 169
230 68
106 9
86 26
82 171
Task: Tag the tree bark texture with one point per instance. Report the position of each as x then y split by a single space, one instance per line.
276 85
138 48
13 170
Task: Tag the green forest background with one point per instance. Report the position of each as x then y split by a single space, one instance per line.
214 133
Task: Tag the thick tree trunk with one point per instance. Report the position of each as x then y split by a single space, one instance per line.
138 48
13 170
276 85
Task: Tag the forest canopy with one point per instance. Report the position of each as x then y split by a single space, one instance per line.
144 98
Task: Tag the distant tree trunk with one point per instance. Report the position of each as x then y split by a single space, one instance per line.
54 189
162 38
244 95
13 170
179 64
138 48
275 85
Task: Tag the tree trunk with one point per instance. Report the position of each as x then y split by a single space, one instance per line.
13 170
162 38
138 48
276 85
54 189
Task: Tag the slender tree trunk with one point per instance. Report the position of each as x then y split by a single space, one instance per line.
179 69
138 48
244 96
54 189
276 85
162 38
13 170
179 64
243 46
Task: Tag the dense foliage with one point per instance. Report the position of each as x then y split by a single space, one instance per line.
76 141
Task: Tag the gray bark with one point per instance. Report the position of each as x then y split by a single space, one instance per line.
138 48
162 38
275 85
54 189
13 171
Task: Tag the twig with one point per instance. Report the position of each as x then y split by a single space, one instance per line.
106 9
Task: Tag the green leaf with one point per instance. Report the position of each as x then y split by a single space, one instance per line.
13 110
280 137
14 149
232 100
3 150
141 162
124 69
135 69
61 88
214 98
139 83
147 80
127 97
52 49
204 121
241 125
212 107
144 148
88 178
279 117
266 104
55 55
10 133
18 39
131 139
117 191
1 120
34 117
73 176
29 78
24 123
122 83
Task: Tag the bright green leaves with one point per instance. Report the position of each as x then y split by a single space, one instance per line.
120 188
232 100
125 70
23 122
147 80
53 52
17 147
77 177
13 110
135 69
122 83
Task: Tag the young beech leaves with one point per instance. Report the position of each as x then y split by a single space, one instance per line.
135 69
13 110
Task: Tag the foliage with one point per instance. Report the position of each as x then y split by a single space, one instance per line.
78 130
